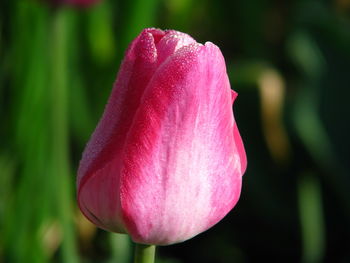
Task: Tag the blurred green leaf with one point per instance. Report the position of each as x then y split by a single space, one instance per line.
140 14
100 32
120 247
59 156
311 217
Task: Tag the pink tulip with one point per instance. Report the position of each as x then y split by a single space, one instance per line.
166 160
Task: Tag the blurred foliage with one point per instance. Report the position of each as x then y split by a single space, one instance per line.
289 62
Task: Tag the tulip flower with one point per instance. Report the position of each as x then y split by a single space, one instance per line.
166 160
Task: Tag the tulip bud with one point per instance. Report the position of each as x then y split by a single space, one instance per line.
166 160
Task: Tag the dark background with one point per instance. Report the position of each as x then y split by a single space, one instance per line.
288 60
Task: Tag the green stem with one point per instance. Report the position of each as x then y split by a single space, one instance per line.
144 253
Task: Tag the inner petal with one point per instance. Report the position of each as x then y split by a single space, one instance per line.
170 43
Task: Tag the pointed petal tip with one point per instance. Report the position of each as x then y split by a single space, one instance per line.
234 95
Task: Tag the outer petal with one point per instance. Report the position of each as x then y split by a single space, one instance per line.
98 175
181 171
238 140
99 172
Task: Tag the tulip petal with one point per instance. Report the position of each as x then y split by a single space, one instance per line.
98 178
98 175
181 170
170 43
238 140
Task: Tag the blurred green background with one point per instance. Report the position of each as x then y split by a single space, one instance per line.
288 60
